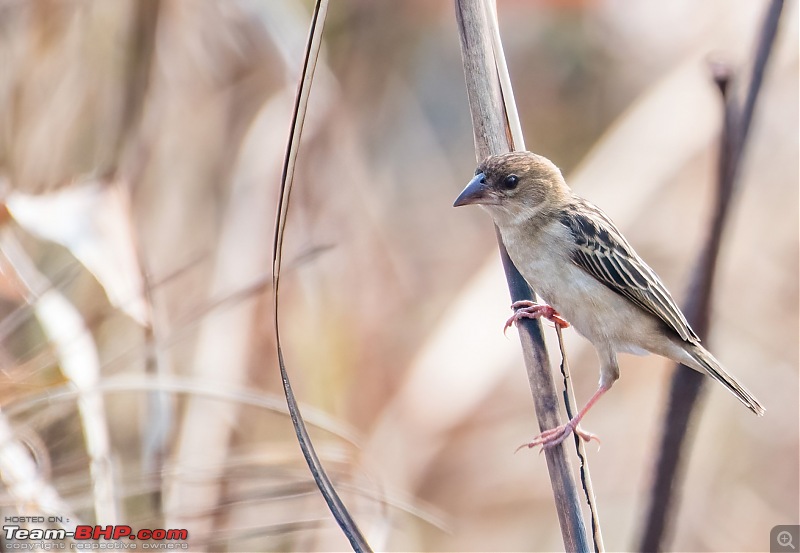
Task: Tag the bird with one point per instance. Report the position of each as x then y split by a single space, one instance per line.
589 276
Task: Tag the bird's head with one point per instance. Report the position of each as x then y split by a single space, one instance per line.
514 186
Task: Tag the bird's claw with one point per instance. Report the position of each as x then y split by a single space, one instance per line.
554 436
526 309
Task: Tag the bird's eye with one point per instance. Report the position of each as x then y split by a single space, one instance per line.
510 182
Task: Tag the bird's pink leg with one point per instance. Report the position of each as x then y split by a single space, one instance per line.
526 309
554 436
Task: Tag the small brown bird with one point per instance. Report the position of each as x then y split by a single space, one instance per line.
576 260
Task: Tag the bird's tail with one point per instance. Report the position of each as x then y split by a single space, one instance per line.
713 368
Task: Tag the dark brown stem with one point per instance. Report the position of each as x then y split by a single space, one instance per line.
492 136
337 507
580 447
687 385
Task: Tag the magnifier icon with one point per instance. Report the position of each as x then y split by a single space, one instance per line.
785 540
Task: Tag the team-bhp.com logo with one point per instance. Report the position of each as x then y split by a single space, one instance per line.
92 537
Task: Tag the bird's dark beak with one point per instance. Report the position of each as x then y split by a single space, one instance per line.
474 193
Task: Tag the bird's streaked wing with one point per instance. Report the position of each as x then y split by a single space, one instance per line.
604 253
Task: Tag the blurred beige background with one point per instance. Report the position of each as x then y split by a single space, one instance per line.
141 146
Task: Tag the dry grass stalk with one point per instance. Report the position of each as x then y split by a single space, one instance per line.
492 136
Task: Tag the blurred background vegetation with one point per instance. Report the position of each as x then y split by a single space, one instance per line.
140 148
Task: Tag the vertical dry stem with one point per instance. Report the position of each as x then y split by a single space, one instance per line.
686 383
492 136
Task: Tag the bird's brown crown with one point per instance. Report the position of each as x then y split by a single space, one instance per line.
525 177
